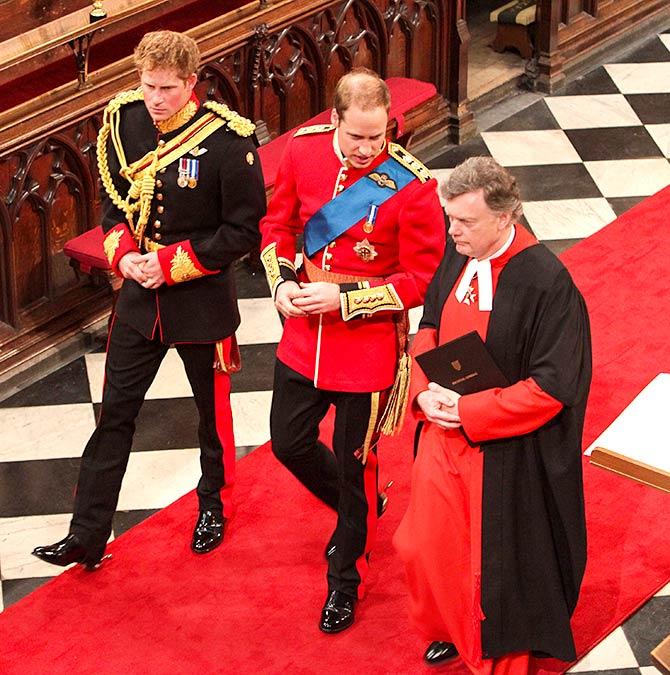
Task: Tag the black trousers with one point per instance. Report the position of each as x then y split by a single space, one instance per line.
337 477
130 367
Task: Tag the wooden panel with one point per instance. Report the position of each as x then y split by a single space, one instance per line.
4 267
19 16
572 32
29 256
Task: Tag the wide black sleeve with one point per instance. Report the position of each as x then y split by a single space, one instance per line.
559 358
438 289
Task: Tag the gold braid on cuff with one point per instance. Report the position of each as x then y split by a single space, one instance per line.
273 266
363 301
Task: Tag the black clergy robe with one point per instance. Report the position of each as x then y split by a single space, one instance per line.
533 527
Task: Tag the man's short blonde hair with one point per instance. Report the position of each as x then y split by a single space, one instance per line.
362 88
501 192
168 50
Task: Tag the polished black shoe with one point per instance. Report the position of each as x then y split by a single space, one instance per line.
337 613
67 551
208 532
439 652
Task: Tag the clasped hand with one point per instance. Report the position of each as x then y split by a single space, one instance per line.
144 269
295 300
440 406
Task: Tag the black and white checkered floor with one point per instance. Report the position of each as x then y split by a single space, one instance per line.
581 158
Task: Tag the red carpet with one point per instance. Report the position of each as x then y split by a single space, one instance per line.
253 605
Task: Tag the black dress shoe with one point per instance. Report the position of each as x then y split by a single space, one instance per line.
208 532
337 613
439 652
67 551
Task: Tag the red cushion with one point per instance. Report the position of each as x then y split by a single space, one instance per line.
406 94
271 152
87 249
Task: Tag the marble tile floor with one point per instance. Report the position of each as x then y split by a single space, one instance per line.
582 158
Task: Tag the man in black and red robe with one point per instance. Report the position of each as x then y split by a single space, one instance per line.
494 539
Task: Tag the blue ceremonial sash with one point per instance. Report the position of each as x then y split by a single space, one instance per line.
353 204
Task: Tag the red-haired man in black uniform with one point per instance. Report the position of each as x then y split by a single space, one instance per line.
373 235
183 194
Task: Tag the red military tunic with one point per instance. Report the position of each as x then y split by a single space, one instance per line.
345 350
439 538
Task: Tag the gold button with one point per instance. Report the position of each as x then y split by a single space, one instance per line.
340 188
327 268
160 209
332 244
329 256
159 183
157 236
159 196
161 142
157 223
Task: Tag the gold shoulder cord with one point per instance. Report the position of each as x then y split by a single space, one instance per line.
141 192
240 125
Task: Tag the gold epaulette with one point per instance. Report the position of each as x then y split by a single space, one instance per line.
314 129
410 162
122 99
235 122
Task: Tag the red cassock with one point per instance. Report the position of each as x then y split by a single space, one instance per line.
354 349
439 538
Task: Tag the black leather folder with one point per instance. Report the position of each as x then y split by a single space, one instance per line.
463 364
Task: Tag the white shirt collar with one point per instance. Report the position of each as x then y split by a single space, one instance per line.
482 270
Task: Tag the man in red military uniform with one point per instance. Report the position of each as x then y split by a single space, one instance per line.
183 194
373 235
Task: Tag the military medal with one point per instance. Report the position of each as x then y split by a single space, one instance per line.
188 172
365 250
369 224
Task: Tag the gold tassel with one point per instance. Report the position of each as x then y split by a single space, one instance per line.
394 413
227 356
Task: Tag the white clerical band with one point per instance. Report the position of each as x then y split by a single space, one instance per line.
482 270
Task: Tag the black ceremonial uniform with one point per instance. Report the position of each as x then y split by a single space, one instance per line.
192 191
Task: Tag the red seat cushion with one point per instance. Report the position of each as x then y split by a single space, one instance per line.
406 94
87 249
271 152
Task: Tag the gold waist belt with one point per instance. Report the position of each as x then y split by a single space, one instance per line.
151 245
315 273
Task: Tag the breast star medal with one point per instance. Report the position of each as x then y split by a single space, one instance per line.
470 296
365 250
188 172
